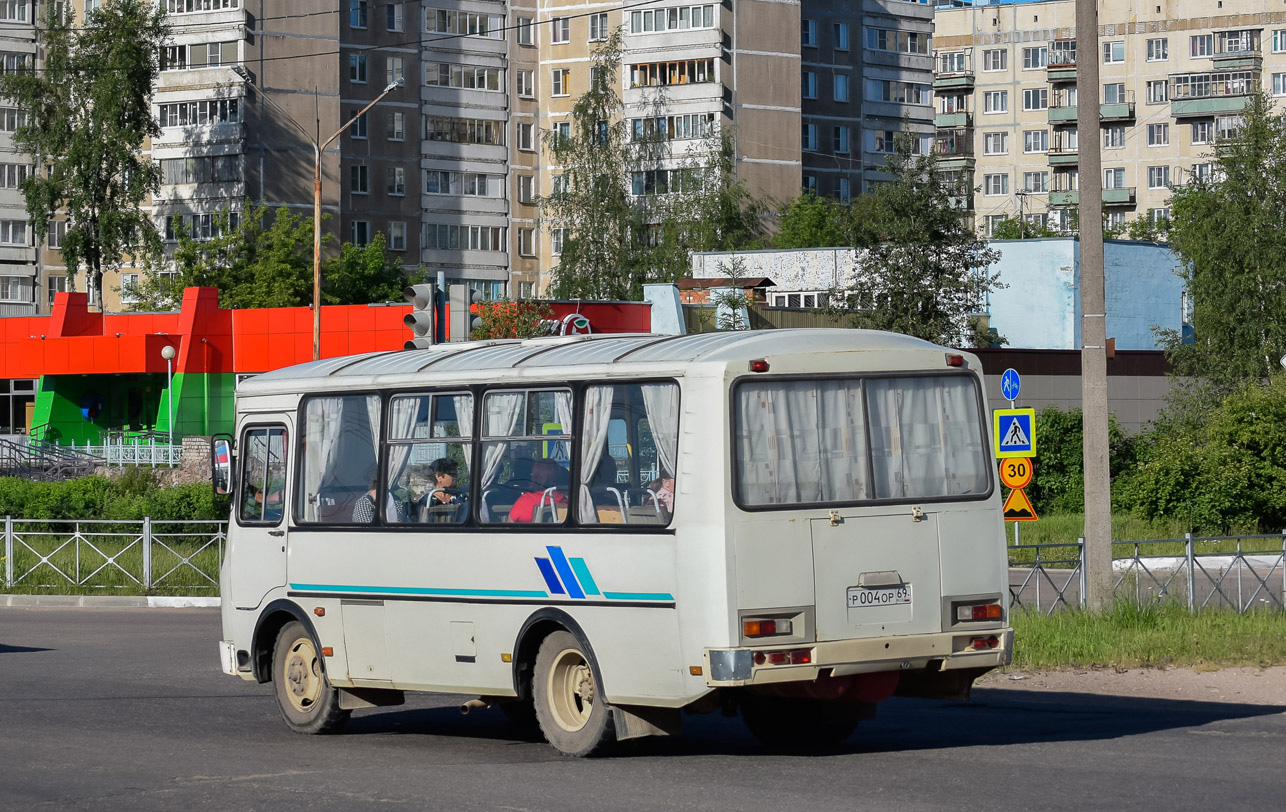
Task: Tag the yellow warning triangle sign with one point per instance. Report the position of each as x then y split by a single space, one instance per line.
1018 507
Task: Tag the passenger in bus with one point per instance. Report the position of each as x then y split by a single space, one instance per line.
364 508
661 491
444 503
549 487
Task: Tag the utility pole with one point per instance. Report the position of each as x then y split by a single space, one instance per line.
1098 485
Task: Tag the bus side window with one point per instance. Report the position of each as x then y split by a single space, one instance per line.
263 476
429 455
628 477
526 456
339 476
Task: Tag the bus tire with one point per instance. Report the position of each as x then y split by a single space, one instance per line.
307 700
799 724
570 708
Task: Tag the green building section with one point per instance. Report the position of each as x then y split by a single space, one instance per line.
78 409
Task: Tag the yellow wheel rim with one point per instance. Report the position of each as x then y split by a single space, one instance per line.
303 677
571 690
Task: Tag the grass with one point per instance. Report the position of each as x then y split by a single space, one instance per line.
1155 636
1067 527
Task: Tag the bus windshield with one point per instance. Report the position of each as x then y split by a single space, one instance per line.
801 442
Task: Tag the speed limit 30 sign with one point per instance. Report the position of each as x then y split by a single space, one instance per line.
1016 472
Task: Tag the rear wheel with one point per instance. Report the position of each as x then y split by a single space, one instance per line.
570 708
307 700
799 724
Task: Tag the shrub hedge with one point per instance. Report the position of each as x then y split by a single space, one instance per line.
130 496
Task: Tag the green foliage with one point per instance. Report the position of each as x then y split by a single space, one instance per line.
812 222
131 496
1015 228
615 241
1229 233
1224 467
923 271
507 318
1059 482
88 114
1146 229
365 274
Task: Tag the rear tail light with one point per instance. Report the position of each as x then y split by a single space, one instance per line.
982 643
765 627
979 611
799 656
954 360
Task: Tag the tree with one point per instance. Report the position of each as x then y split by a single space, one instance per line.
363 274
251 265
508 318
627 217
88 113
1148 229
1014 228
810 221
923 271
1230 233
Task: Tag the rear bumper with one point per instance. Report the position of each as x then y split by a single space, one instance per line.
731 667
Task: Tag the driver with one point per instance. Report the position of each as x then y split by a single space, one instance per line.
445 473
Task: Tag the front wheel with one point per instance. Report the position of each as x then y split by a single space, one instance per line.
799 724
307 700
570 707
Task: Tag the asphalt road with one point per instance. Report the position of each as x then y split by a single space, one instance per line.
126 709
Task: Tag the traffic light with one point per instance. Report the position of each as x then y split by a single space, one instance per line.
463 320
423 316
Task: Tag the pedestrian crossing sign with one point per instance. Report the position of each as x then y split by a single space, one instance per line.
1015 432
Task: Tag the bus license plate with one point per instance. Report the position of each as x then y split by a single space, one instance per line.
859 597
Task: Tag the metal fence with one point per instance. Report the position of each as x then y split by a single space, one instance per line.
1201 572
118 451
113 555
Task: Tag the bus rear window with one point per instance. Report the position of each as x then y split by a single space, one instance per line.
855 440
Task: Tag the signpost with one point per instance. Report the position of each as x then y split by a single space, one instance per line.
1014 431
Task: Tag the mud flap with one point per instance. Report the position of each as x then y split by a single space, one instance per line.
353 698
637 722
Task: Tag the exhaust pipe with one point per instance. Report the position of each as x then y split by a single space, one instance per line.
473 705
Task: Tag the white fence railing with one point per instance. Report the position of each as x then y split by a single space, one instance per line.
123 453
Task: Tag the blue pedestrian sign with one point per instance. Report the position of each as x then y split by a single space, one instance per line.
1010 385
1015 432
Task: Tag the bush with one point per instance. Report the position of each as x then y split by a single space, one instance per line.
1059 483
130 496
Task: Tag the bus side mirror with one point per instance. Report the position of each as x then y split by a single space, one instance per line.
221 464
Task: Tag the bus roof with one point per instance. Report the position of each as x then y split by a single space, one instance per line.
630 352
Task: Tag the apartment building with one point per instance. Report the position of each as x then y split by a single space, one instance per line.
1175 76
21 284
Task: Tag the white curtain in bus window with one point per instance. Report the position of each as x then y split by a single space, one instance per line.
628 454
926 437
263 479
526 442
429 457
801 442
341 454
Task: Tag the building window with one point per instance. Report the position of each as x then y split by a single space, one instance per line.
1114 93
562 131
560 29
1114 52
1158 177
357 13
674 19
1036 141
1158 135
357 68
995 101
12 175
1036 98
598 27
394 69
397 236
1114 137
808 33
526 141
397 126
526 80
1035 58
16 10
556 236
995 143
839 140
559 82
393 20
526 189
1227 126
683 72
525 28
1158 92
526 242
1201 45
809 88
397 181
1114 178
200 113
56 234
809 184
1158 50
1203 132
993 185
463 130
1279 41
464 23
841 36
57 285
13 232
841 87
995 60
1202 172
1036 182
358 130
898 42
901 92
1279 84
129 288
463 76
359 180
1157 215
10 290
809 137
361 232
845 190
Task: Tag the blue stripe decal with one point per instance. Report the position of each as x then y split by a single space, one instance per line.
565 572
638 596
582 573
547 570
412 590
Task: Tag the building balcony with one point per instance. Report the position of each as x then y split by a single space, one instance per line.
1207 94
956 120
1118 110
953 70
961 82
1064 197
1238 49
953 144
1123 196
1062 113
1063 155
1120 196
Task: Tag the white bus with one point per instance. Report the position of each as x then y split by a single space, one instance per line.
602 533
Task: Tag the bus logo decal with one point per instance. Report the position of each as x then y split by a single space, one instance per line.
566 576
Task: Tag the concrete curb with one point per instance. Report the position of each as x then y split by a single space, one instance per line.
109 601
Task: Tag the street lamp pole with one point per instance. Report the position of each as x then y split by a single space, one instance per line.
318 149
167 352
